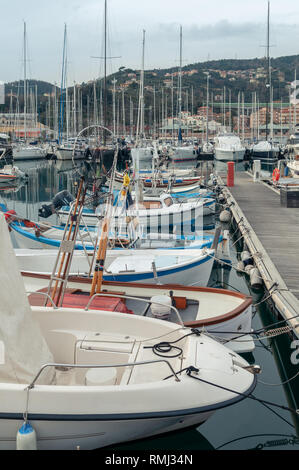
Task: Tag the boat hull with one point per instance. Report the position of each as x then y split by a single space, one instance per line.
28 154
269 160
67 154
229 155
92 434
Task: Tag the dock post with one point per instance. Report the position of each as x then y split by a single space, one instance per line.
230 174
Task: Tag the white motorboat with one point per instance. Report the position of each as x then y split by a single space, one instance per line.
73 378
228 147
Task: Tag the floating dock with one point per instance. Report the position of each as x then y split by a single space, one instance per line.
271 233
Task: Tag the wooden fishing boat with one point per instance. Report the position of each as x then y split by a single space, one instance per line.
10 174
152 212
189 267
163 182
224 314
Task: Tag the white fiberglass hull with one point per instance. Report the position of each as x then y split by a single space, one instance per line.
67 154
70 413
225 315
28 153
229 155
171 268
186 214
89 434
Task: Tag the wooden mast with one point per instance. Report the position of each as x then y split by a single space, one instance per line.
97 280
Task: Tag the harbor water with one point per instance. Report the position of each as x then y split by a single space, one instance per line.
249 424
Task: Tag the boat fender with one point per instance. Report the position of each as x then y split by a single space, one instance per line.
255 278
221 198
26 438
248 268
246 258
240 266
161 311
225 216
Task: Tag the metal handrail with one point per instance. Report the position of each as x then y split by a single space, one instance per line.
45 295
92 366
113 295
134 298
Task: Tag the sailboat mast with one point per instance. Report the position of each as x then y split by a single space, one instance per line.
208 77
142 86
268 84
105 69
180 83
140 117
25 84
62 90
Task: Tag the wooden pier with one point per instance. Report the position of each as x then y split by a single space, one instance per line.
271 233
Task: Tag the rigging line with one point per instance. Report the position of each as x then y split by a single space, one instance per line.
254 435
252 397
280 384
278 415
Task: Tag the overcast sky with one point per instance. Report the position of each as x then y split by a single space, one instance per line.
217 29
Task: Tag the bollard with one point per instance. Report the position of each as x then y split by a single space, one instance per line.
230 174
257 171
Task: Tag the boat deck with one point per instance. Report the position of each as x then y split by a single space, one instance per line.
76 298
276 227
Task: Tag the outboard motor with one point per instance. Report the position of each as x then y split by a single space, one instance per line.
64 198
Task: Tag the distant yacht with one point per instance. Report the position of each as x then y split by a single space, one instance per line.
28 152
266 151
228 147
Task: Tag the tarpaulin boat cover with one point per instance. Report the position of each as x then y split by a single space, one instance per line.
25 349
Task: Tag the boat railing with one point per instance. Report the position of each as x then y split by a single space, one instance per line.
44 294
122 296
93 366
148 301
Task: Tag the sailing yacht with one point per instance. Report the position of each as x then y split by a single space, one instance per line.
26 151
266 151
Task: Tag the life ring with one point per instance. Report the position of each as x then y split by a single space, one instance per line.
275 175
